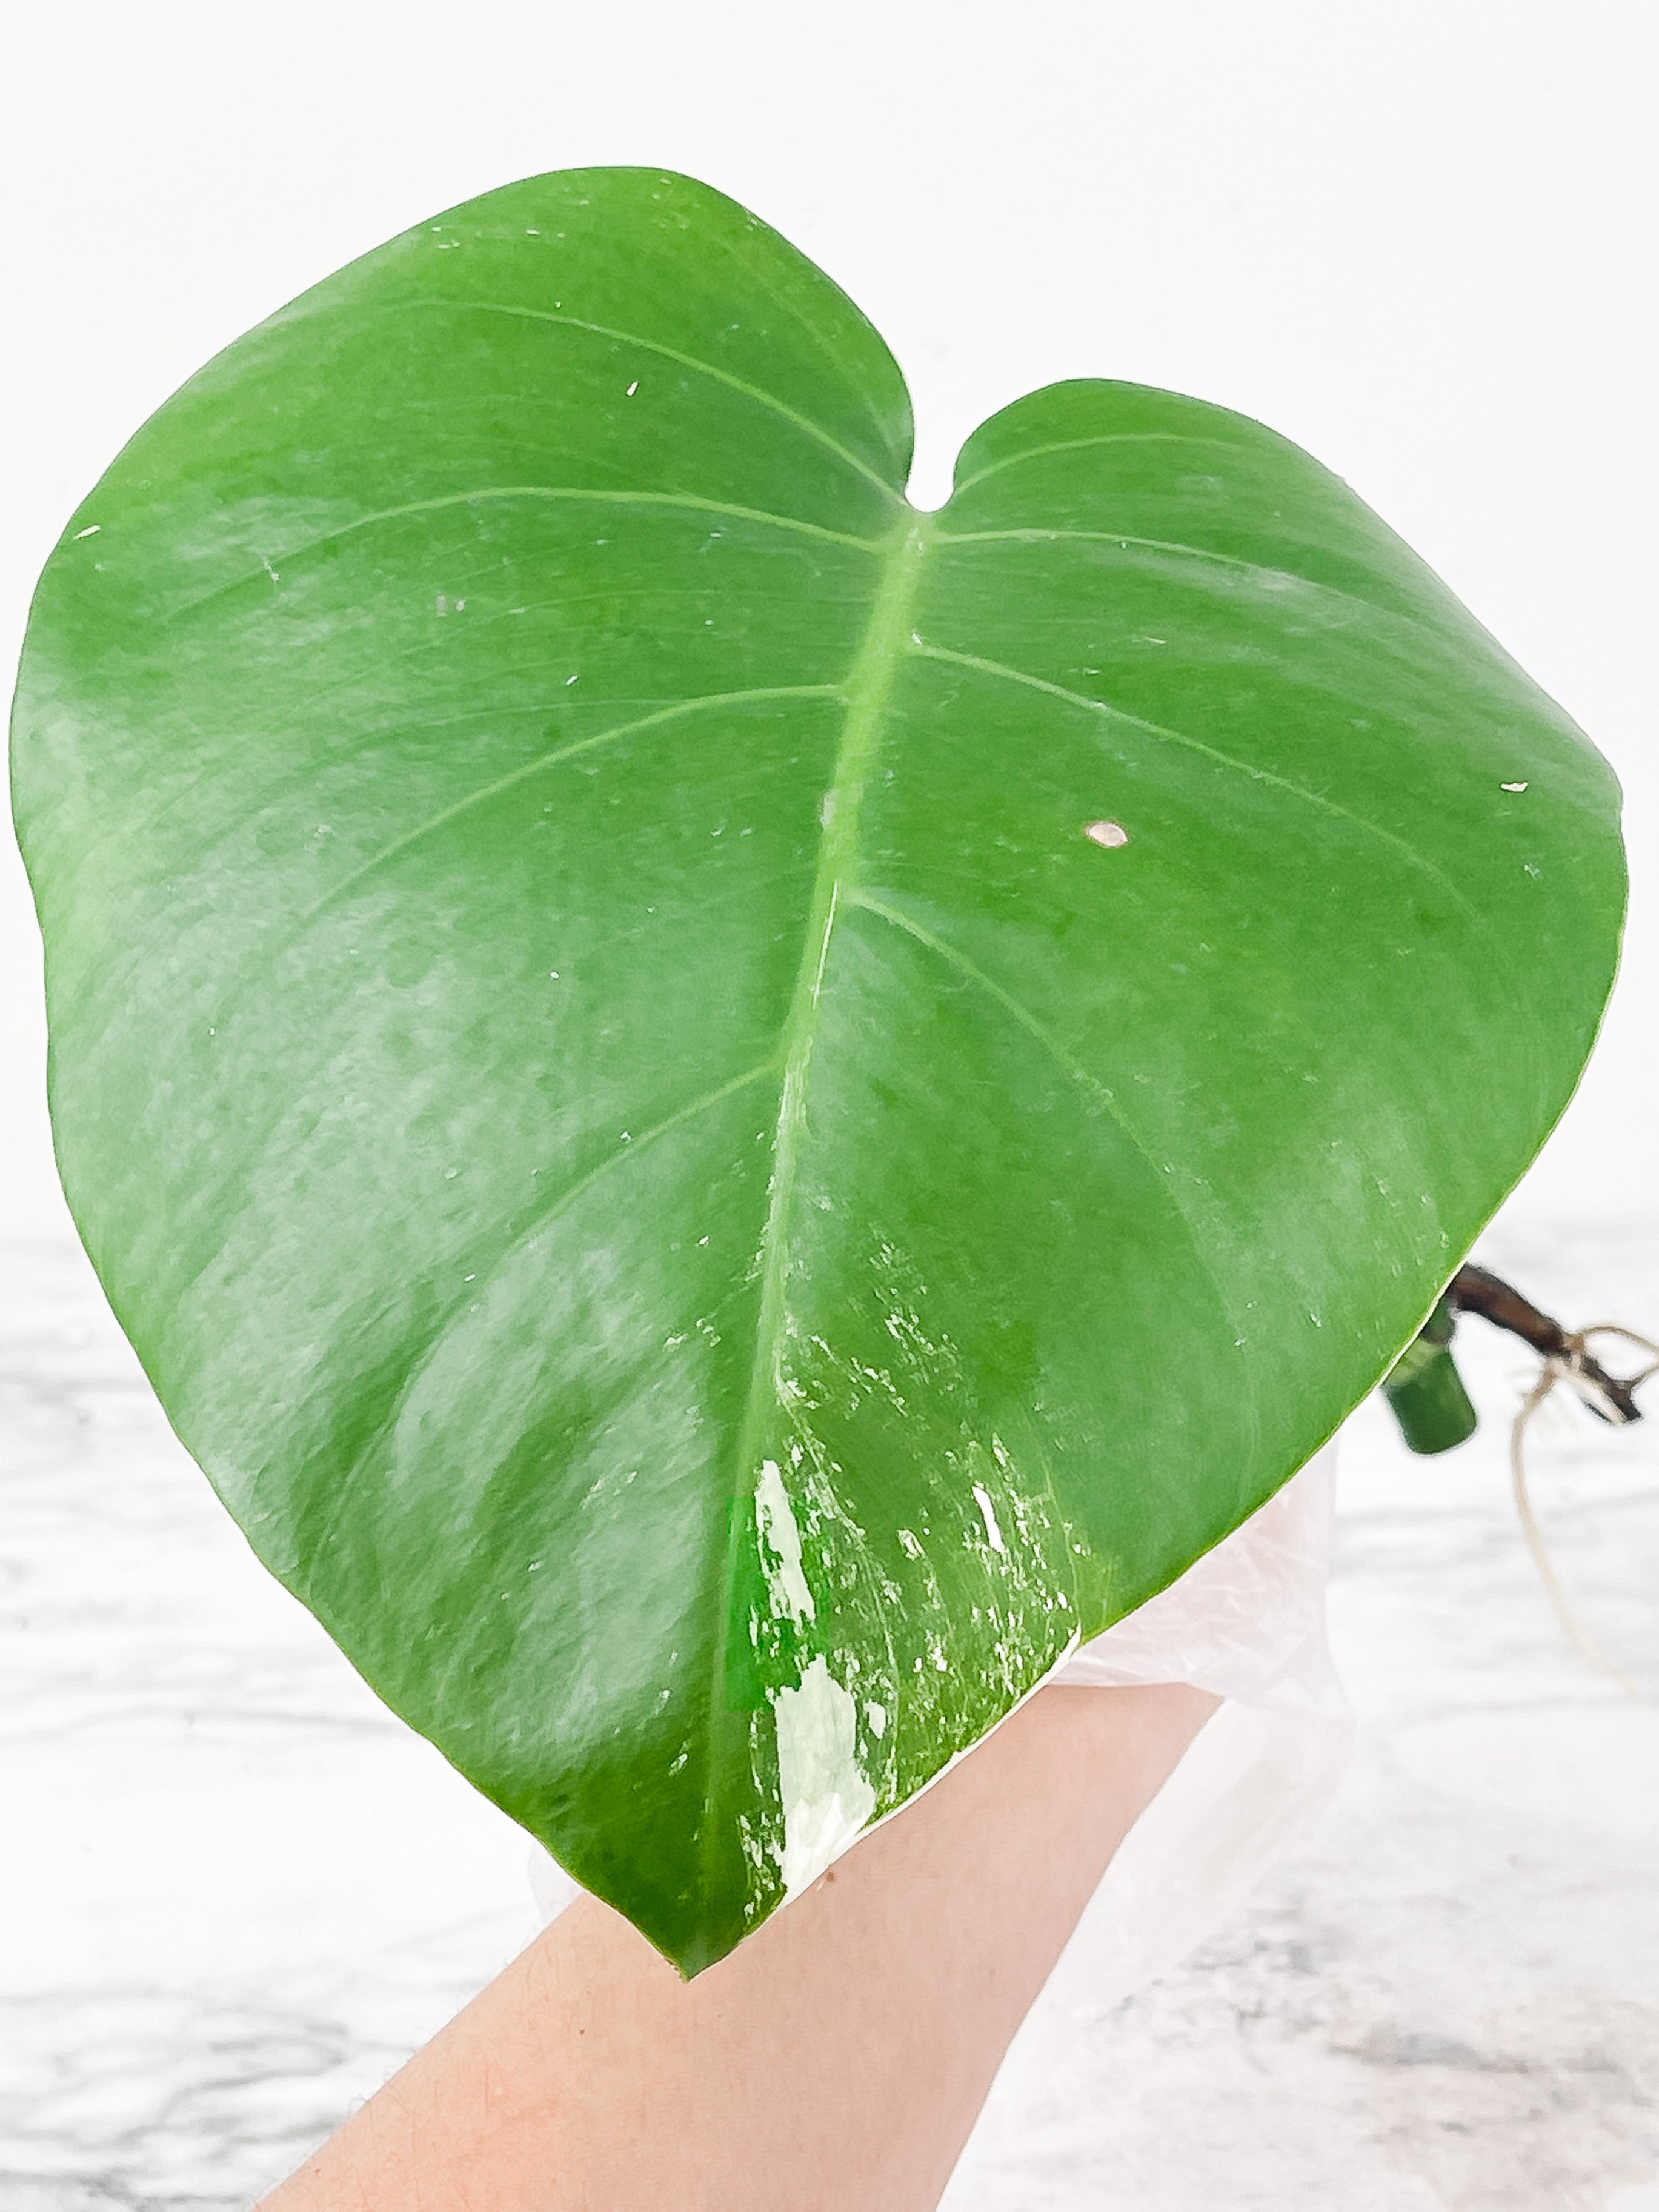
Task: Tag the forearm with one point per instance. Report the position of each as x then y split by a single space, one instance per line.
838 2057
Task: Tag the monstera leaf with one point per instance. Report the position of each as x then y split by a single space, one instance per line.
727 1113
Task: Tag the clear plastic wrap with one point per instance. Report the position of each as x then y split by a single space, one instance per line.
1247 1622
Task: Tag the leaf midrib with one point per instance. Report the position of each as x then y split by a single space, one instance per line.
869 684
886 640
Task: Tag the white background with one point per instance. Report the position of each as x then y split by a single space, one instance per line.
1417 239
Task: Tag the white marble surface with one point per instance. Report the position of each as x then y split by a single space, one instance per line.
234 1891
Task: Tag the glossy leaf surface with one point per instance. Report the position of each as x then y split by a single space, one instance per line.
726 1113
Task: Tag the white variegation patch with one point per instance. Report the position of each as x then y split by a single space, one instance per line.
827 1802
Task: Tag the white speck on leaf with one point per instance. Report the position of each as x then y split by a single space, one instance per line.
1111 835
569 681
877 1716
91 530
632 389
1512 786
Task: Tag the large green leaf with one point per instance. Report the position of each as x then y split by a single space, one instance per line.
727 1113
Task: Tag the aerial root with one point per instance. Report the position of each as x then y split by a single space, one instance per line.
1569 1366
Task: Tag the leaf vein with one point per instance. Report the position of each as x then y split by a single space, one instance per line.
869 903
545 1213
1418 860
844 367
595 494
1090 1085
996 668
755 391
1037 536
543 762
1076 445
